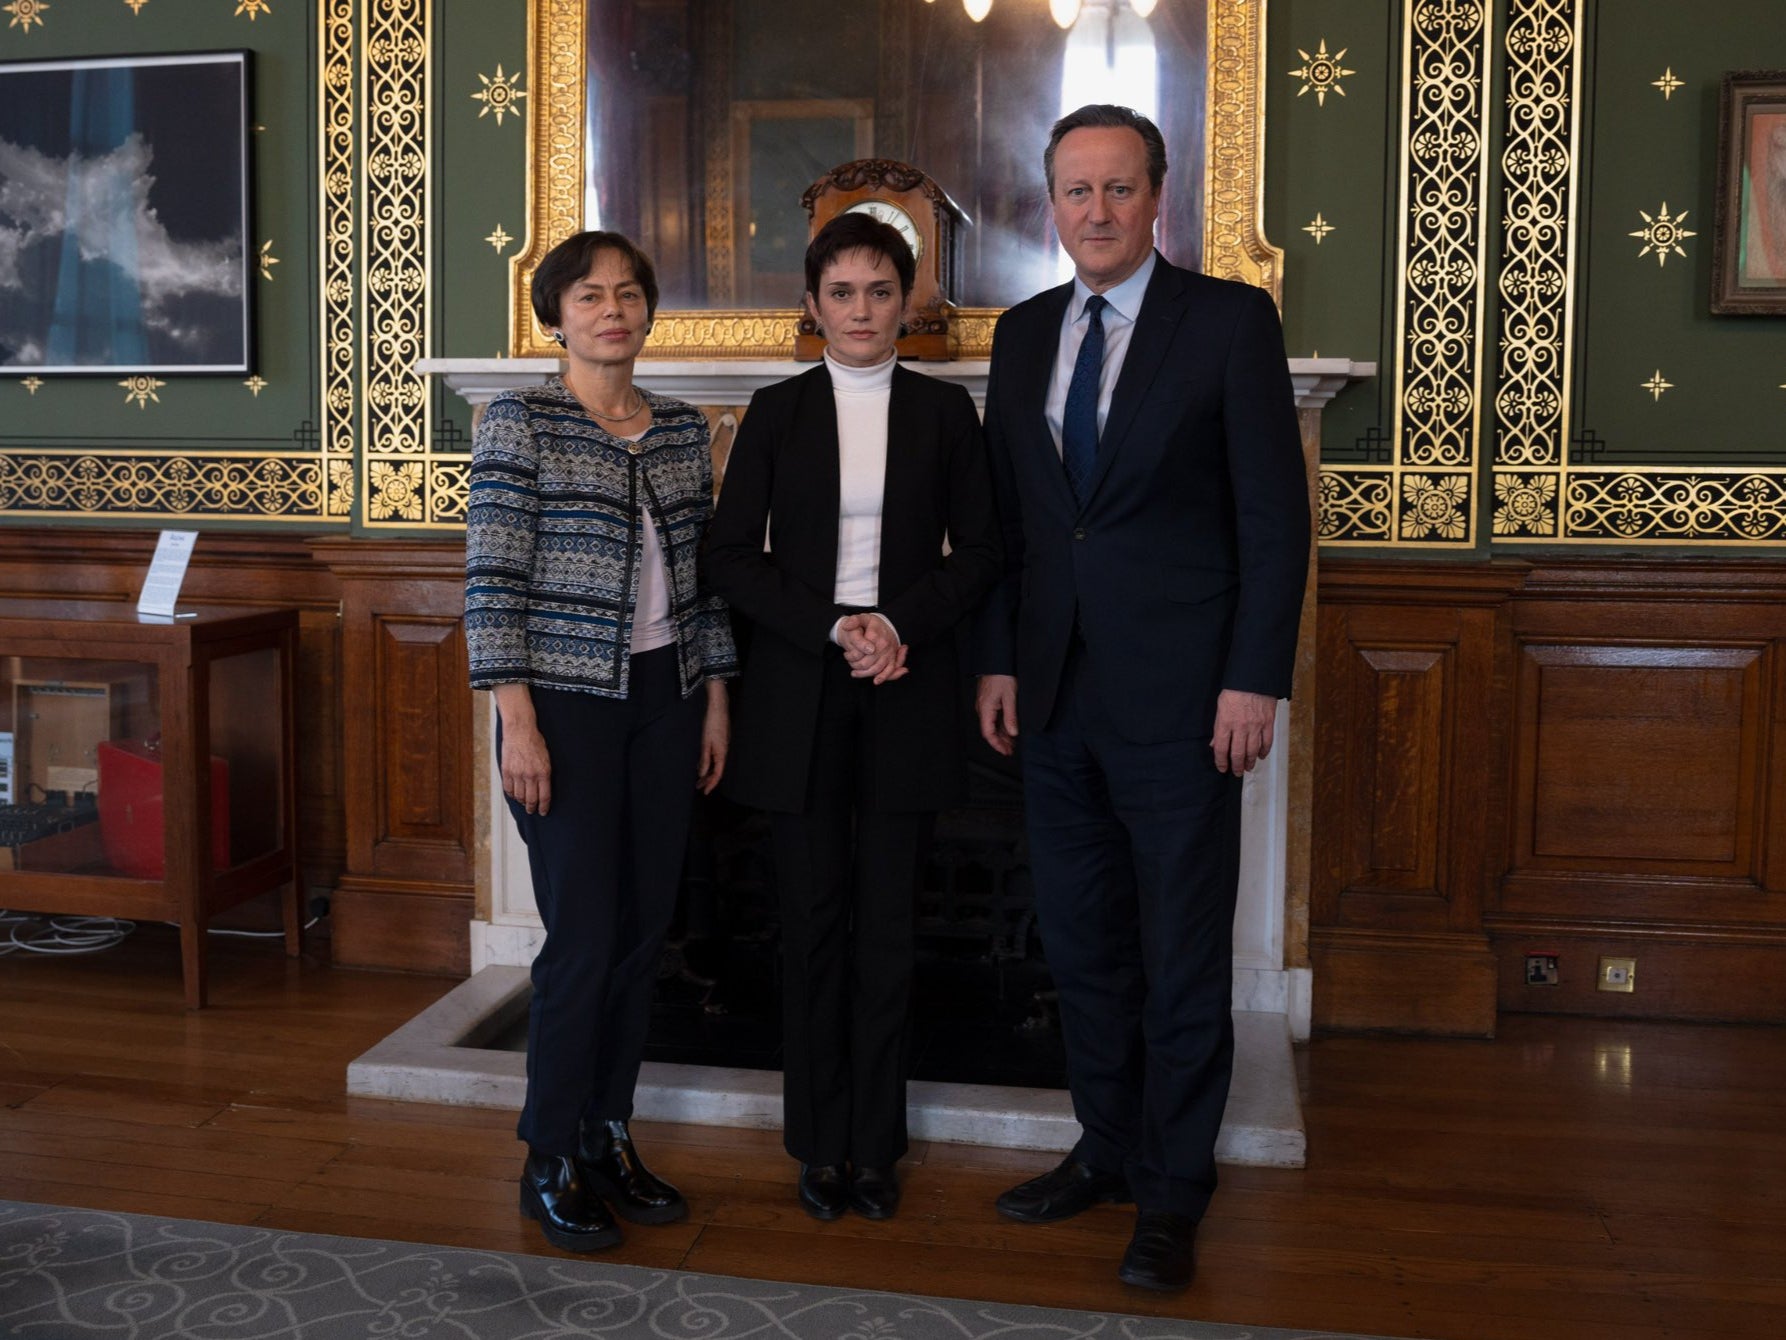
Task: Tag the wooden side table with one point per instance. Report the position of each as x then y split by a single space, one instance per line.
110 715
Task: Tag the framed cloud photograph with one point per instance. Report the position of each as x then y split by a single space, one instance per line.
1749 241
124 215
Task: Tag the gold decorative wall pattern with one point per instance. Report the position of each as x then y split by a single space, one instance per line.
1539 219
1425 496
400 466
337 250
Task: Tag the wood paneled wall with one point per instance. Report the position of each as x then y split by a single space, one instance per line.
383 711
1574 758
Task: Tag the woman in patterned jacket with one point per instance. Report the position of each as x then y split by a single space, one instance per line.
586 618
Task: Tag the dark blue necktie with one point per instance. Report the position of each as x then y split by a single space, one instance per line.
1079 420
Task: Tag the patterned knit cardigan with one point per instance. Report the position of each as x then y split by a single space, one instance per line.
553 542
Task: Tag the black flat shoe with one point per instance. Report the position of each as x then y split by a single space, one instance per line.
1162 1254
571 1216
1067 1189
874 1192
609 1163
824 1191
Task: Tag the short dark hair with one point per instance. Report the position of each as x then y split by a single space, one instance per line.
570 260
1108 114
857 231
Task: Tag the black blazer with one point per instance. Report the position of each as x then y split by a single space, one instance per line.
1185 567
783 474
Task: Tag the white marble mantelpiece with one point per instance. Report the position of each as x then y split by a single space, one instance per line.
730 381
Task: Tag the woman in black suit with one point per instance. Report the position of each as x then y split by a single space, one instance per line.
871 484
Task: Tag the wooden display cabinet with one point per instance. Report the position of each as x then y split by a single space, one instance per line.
110 714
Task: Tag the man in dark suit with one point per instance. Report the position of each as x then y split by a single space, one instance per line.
1149 475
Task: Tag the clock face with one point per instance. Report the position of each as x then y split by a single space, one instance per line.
888 212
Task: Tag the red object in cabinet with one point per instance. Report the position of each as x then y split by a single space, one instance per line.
130 821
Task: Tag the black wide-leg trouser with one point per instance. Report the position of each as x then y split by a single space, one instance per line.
847 877
606 862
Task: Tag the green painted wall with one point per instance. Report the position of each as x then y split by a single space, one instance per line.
1646 150
1339 157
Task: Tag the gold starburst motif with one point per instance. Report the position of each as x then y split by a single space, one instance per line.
31 384
1656 385
1662 233
1667 83
267 260
253 9
1321 72
25 13
396 490
257 384
1435 507
141 390
1318 229
499 239
136 6
1526 504
499 95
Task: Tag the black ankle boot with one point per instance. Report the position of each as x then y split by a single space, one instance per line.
570 1214
609 1163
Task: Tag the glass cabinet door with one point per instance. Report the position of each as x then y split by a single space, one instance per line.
80 767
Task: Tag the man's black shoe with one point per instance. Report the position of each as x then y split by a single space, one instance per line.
609 1163
1163 1252
874 1192
1062 1192
569 1213
824 1190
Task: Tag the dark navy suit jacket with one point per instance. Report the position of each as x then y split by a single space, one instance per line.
1184 568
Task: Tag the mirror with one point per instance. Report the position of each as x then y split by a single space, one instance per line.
709 118
701 122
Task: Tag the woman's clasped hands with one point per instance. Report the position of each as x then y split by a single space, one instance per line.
872 648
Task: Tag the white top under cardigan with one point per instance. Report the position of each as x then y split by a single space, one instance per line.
652 627
861 396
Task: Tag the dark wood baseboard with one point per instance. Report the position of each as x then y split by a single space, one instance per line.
1404 983
1729 975
378 924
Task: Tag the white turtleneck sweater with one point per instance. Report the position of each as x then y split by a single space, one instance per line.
861 395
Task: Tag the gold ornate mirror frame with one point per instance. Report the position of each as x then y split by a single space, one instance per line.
1234 245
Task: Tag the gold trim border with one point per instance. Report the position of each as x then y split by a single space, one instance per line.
1534 403
1426 498
403 481
337 249
130 485
1234 244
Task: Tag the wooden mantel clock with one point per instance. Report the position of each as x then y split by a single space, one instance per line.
901 195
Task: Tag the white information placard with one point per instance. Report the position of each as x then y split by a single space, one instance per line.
161 588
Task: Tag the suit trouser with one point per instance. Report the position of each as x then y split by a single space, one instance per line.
1135 853
605 864
847 876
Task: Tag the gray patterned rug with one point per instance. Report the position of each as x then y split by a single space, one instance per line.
70 1274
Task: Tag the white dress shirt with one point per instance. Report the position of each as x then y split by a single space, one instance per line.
1119 324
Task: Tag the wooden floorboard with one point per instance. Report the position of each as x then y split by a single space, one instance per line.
1573 1178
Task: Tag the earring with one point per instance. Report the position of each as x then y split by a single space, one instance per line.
558 338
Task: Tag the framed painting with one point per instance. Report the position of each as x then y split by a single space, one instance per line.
124 215
1749 240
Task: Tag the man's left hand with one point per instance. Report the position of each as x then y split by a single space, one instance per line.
1244 723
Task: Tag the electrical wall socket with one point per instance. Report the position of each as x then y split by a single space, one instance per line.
1616 974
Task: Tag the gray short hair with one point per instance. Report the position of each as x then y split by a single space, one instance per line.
1108 114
